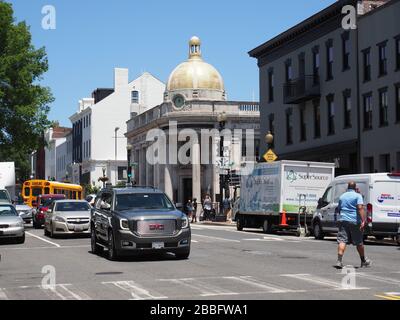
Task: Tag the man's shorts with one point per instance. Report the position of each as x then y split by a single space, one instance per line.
350 233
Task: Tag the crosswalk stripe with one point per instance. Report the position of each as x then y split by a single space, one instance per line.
259 284
215 238
63 292
206 290
321 281
3 295
373 277
137 292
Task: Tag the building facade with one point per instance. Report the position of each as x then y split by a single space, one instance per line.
313 94
99 125
195 107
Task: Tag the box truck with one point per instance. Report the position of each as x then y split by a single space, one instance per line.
7 178
282 195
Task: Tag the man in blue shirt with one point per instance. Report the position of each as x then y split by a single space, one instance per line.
351 224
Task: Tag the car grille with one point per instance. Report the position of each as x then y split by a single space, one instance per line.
4 226
78 220
156 227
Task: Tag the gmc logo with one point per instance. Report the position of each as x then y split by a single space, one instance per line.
155 227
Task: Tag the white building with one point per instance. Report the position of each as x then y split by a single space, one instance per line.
99 126
64 159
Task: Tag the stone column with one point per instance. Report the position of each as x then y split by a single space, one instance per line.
196 174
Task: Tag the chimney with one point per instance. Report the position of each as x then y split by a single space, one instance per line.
120 78
365 6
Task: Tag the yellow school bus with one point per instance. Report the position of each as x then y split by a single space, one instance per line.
32 188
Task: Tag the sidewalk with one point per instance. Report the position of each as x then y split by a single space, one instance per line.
214 223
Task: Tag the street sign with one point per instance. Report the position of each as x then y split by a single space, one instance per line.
270 156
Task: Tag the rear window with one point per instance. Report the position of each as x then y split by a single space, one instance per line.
4 195
36 191
387 193
72 206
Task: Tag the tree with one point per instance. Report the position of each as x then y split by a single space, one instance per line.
24 104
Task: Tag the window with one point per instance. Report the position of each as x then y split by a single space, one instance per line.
289 126
271 85
122 173
347 108
367 65
397 39
135 96
90 119
346 50
382 59
383 108
397 91
329 60
384 163
316 64
303 125
317 119
331 114
368 111
369 165
288 71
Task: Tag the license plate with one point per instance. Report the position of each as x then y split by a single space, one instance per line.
78 228
158 245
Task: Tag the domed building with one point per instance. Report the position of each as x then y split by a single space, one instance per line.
195 104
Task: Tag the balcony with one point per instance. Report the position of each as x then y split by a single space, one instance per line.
301 90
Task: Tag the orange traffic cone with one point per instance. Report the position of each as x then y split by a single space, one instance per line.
283 219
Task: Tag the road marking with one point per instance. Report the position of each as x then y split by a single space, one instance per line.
40 238
321 281
194 241
55 292
259 284
3 295
137 292
394 296
216 238
373 277
40 248
206 290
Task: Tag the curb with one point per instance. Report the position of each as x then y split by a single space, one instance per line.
211 223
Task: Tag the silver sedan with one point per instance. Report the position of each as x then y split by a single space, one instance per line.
25 212
67 217
11 224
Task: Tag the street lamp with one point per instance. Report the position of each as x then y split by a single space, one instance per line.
116 167
269 139
224 184
129 150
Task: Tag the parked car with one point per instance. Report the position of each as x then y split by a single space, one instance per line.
4 196
43 202
11 224
67 217
381 193
24 211
90 198
135 220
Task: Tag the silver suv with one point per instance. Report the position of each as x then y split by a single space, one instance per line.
139 219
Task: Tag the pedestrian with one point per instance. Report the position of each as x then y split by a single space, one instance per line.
189 209
194 216
226 206
207 205
352 223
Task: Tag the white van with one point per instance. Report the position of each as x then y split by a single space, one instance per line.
381 193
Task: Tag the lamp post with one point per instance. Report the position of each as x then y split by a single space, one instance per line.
269 139
129 150
224 179
116 154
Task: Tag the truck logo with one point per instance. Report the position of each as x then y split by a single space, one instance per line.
384 197
291 176
156 227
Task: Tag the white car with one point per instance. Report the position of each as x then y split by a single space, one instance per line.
24 211
11 225
67 217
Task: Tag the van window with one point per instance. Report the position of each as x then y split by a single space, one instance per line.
327 198
341 188
386 193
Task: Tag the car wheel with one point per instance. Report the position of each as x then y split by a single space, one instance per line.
239 223
112 252
96 249
51 231
379 238
21 240
398 240
46 232
267 227
318 233
183 255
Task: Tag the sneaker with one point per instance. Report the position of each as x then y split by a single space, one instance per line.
367 263
339 265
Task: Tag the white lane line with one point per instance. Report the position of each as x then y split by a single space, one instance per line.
194 241
248 280
205 290
137 292
373 277
215 238
54 292
321 281
40 248
40 238
3 295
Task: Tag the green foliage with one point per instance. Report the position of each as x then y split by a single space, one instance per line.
90 189
24 104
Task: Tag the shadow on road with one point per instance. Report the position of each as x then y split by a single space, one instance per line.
144 257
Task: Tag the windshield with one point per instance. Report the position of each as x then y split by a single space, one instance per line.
72 206
4 196
8 211
143 201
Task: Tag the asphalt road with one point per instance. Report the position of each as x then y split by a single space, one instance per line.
224 264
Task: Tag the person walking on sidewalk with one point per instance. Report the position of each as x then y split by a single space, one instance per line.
226 206
207 206
189 209
352 222
194 216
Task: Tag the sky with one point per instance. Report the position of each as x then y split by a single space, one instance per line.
92 37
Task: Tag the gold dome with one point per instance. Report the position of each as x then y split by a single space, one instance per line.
195 73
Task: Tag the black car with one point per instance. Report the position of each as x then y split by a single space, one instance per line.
142 219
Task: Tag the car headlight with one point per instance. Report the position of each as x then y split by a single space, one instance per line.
17 224
185 223
124 224
59 219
